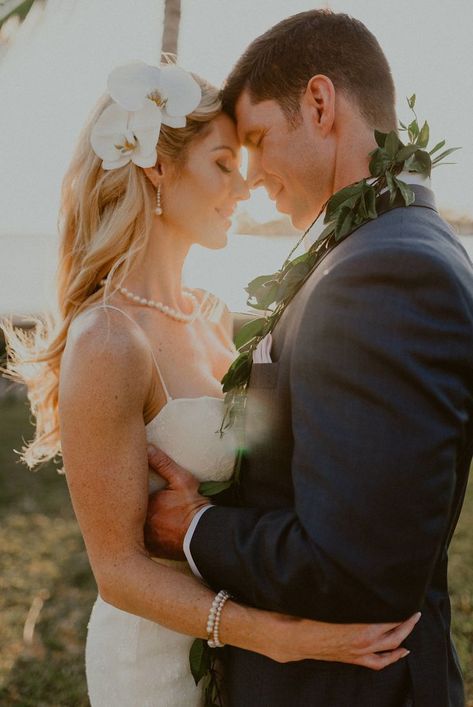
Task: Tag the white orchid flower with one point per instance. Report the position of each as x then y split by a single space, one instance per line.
120 136
172 89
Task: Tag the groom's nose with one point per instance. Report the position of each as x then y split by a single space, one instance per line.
254 178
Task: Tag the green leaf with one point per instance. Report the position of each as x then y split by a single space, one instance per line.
344 223
412 101
212 488
294 278
437 147
392 144
298 271
249 331
392 188
413 130
421 163
255 284
423 137
328 230
264 294
380 138
402 126
238 373
406 152
344 197
367 207
407 192
299 259
370 202
378 163
442 164
445 154
199 659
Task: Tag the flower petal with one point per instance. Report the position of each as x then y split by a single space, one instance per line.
173 121
149 116
182 92
108 131
130 84
145 159
113 164
112 120
146 125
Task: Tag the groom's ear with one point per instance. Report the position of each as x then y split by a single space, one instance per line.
319 100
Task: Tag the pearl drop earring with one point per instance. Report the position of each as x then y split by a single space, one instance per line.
158 210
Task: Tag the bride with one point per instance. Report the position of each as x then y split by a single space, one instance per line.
134 358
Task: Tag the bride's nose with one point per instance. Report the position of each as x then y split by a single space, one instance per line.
241 191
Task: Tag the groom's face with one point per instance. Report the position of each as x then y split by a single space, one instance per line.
292 162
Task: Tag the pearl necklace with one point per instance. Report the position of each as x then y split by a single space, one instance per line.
163 308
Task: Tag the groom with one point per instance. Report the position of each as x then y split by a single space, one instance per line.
360 425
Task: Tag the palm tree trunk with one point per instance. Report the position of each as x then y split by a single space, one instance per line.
172 18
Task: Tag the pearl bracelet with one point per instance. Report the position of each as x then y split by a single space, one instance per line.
213 621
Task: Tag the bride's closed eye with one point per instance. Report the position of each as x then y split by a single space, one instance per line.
225 169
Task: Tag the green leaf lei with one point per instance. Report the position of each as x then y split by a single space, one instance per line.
345 211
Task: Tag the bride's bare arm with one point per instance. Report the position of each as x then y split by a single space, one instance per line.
104 383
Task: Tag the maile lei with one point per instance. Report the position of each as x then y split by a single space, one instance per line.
345 211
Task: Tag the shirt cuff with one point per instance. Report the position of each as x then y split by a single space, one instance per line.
188 538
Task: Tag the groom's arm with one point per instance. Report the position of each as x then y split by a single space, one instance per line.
379 407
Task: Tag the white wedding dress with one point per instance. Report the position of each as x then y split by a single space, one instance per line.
130 661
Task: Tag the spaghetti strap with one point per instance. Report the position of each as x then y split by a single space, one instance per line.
160 376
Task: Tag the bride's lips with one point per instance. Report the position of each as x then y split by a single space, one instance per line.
277 200
274 195
226 215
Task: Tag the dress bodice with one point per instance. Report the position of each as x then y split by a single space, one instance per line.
187 430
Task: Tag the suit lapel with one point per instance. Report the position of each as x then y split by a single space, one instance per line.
424 198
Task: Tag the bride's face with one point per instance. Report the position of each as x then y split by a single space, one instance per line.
199 200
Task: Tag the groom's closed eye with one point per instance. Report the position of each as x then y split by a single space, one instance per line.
254 139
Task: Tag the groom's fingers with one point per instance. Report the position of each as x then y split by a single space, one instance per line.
395 636
176 476
379 661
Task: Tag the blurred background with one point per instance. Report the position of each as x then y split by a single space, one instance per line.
55 56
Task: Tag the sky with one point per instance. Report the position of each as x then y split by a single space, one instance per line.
429 45
57 67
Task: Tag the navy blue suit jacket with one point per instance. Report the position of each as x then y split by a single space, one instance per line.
360 438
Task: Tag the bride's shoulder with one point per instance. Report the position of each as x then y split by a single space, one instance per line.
105 339
104 371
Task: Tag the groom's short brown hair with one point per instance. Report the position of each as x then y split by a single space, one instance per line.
278 64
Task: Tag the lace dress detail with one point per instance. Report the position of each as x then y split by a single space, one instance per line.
130 661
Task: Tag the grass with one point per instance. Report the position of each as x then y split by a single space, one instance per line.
42 560
43 566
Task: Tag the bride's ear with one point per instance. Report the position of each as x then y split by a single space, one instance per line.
155 174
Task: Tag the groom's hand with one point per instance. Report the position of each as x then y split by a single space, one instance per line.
171 510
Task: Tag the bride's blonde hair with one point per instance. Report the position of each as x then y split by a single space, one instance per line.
105 221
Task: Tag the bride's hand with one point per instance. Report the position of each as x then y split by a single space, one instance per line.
373 646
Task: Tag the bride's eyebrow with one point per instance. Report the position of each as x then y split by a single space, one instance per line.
224 147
